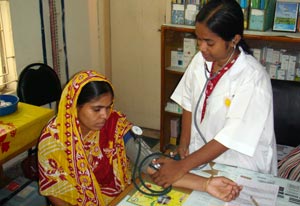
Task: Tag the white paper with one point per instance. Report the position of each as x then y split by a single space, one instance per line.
203 199
289 192
263 194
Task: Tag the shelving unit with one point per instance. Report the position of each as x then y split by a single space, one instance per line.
172 38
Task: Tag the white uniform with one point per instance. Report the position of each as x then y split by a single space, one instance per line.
239 112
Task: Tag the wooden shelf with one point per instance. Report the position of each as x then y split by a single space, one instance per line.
248 34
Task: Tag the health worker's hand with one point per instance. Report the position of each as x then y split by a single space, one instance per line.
222 188
183 151
170 171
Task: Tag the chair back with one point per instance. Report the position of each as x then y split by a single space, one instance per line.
286 99
38 84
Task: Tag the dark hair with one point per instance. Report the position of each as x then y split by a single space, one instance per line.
92 90
225 18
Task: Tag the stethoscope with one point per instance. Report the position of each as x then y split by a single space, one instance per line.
208 79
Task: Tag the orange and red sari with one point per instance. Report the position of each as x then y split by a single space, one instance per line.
82 171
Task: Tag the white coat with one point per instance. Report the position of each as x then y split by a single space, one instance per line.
239 112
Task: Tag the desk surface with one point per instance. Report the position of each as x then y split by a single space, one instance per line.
20 130
288 195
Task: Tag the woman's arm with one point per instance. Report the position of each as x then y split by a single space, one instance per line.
57 202
219 187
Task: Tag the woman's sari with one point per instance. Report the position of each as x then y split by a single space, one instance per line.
82 171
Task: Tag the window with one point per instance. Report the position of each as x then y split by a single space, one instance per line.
8 74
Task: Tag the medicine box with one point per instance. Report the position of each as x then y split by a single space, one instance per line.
177 14
189 50
177 59
191 12
262 19
257 53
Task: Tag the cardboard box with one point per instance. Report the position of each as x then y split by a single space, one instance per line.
177 14
189 50
191 12
262 19
257 53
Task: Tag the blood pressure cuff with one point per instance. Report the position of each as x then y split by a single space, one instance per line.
132 150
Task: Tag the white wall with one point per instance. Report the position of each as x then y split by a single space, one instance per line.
120 39
135 40
81 28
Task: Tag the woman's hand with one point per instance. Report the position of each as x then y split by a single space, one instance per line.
222 188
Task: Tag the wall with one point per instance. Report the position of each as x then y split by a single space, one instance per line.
120 39
82 34
135 45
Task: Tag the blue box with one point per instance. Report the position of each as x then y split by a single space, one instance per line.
262 19
177 14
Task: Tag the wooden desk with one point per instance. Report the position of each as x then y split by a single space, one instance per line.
130 190
20 130
288 193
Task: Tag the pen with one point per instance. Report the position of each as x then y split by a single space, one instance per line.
253 200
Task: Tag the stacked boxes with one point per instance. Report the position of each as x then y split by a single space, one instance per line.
181 58
280 64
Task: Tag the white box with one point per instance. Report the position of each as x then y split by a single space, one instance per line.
269 55
276 57
297 72
290 74
272 70
189 50
257 54
174 58
284 59
281 74
191 12
177 58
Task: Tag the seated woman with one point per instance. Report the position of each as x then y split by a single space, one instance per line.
81 152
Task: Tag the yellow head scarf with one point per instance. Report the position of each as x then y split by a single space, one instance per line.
65 158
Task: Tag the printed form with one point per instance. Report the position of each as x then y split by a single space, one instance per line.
255 193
